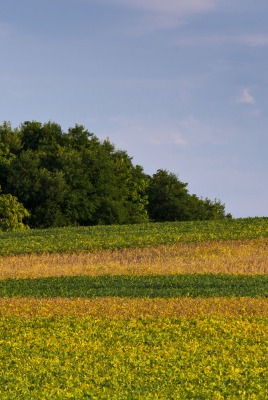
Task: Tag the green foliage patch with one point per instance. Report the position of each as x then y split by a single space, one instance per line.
151 286
59 240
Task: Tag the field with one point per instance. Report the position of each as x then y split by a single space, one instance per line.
155 311
61 240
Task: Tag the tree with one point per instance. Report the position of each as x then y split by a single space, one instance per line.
120 186
42 191
37 136
169 200
168 197
12 213
10 146
79 202
10 141
73 178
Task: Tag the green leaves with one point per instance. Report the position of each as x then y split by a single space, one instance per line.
150 286
12 213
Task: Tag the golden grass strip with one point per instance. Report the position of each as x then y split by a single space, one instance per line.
230 257
112 307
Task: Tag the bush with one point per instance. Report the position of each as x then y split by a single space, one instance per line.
12 213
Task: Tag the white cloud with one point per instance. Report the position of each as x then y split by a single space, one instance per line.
245 97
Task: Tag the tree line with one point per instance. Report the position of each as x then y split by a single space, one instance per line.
52 178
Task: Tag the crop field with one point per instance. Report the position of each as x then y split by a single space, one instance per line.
155 311
61 240
245 257
97 358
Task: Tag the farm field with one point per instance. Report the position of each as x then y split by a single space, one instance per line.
99 358
182 315
234 257
62 240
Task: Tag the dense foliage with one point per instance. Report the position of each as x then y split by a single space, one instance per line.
73 178
169 200
93 358
149 286
12 213
78 357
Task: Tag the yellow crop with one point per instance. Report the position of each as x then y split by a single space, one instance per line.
114 307
103 359
231 257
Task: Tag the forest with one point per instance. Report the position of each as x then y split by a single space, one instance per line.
52 178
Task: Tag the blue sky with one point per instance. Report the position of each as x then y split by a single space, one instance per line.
178 84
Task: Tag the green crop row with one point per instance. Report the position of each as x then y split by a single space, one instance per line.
92 358
151 286
75 239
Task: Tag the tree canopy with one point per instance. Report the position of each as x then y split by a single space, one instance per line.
73 178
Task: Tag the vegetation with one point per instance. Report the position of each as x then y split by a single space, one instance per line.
87 357
182 285
62 240
135 308
12 213
74 179
236 257
163 310
169 200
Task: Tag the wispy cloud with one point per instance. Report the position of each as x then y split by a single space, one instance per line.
160 14
155 22
188 132
251 40
180 7
254 40
245 97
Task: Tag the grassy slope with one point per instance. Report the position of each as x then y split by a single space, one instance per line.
62 240
136 352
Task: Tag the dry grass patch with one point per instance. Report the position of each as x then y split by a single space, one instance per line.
113 307
230 257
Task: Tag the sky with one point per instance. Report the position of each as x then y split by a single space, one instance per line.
180 85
